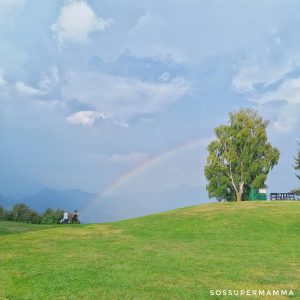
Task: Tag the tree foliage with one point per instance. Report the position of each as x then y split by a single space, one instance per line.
2 212
240 157
22 213
51 216
297 163
297 167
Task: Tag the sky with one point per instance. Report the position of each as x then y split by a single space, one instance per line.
119 96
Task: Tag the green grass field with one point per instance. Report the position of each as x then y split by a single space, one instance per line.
181 254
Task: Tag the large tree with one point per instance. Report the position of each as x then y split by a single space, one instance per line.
240 157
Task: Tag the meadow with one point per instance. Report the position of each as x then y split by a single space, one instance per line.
179 254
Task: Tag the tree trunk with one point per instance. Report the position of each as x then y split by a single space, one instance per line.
238 197
240 192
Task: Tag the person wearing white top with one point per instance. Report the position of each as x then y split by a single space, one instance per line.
66 217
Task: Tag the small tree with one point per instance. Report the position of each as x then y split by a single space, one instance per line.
240 157
20 212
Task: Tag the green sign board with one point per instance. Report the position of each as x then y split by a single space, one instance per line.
257 194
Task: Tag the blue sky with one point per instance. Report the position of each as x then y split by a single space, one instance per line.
92 90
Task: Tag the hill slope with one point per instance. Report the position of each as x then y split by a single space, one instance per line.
181 254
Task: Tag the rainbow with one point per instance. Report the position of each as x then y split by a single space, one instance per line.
143 167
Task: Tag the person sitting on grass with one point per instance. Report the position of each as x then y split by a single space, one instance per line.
74 219
65 218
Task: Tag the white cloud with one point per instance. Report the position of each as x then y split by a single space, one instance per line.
247 78
76 22
267 78
85 118
282 105
289 90
153 36
48 80
264 65
189 33
286 119
288 116
122 98
27 90
133 157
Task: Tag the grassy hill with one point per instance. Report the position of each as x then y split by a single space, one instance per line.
181 254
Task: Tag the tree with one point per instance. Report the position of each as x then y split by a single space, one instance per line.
240 158
297 167
2 212
51 216
19 212
22 213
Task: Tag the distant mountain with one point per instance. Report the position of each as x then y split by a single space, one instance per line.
111 208
143 203
52 198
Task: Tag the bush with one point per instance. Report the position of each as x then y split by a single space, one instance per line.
51 216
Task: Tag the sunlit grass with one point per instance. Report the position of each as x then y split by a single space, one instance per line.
181 254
